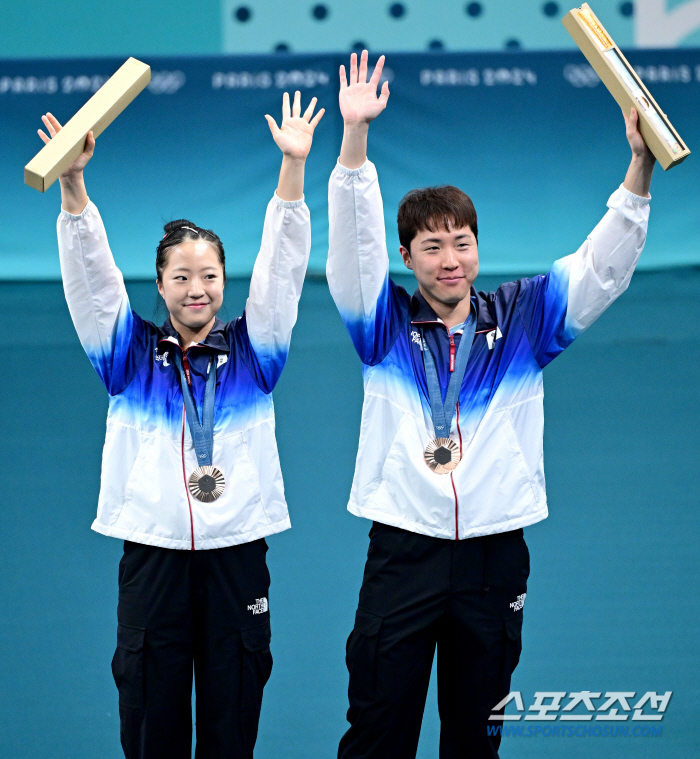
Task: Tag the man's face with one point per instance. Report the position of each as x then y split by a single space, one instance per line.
445 263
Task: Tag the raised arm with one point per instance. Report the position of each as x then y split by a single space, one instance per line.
111 334
278 275
556 308
358 263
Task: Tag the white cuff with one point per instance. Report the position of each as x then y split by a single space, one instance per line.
288 203
76 217
353 172
638 200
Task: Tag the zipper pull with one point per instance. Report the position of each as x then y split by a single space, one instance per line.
186 367
452 353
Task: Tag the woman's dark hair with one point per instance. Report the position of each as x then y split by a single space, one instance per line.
180 231
434 208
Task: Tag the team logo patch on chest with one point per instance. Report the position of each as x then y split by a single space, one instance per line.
492 336
162 357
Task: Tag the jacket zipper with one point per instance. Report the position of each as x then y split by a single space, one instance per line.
454 489
186 369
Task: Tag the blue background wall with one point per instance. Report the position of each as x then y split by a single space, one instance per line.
612 597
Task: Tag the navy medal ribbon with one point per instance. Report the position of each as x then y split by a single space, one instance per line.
206 483
442 454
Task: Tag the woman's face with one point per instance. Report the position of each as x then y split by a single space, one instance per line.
192 284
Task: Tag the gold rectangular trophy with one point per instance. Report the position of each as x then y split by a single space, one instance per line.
96 115
625 85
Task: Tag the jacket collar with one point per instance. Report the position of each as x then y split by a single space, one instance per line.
422 311
216 339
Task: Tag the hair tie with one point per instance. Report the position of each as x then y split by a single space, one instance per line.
176 230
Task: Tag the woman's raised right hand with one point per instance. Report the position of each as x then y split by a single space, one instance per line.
54 127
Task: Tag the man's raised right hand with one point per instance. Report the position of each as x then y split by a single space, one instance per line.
359 103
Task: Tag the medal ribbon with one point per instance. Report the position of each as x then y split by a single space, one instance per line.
202 431
443 413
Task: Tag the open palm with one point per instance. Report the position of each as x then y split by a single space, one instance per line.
358 98
296 133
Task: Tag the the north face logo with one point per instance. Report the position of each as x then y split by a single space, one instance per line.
518 603
259 607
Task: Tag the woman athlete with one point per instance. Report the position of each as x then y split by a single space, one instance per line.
191 478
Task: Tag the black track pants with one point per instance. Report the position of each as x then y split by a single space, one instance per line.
183 608
420 592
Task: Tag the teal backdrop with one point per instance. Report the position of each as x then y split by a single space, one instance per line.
533 137
611 602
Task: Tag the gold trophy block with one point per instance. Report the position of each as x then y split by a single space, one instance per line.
96 115
625 85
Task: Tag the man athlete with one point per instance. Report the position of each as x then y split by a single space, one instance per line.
450 471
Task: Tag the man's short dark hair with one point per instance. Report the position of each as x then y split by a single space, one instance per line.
432 209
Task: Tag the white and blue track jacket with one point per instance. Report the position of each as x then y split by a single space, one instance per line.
148 453
499 483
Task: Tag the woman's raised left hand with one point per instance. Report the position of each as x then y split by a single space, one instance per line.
295 135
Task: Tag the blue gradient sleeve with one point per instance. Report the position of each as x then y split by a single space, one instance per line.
556 308
117 360
375 334
542 306
265 366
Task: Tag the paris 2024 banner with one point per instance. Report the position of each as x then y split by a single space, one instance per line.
534 138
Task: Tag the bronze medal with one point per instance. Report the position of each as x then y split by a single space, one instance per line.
206 483
442 455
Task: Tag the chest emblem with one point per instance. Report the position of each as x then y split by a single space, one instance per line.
492 336
162 357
